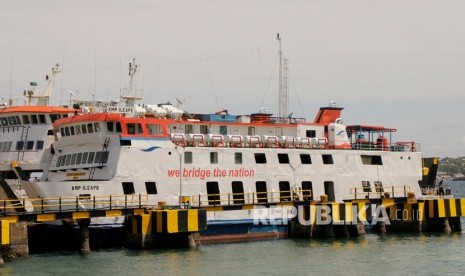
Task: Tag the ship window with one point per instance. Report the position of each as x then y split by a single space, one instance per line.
84 157
67 131
128 188
1 145
284 191
73 159
125 142
188 157
203 129
40 145
68 159
78 129
154 129
26 120
78 158
118 127
327 159
90 159
42 118
139 129
307 190
262 195
97 127
98 157
188 129
84 129
10 121
20 145
310 133
90 128
378 186
71 128
283 158
34 119
223 130
238 157
371 160
131 128
110 126
213 191
8 148
105 157
213 158
251 131
305 159
260 158
63 159
329 190
151 188
54 117
58 161
62 131
30 145
238 192
366 186
4 121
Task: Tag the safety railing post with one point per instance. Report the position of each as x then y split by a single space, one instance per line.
77 202
42 205
94 202
59 203
229 199
405 191
140 201
393 194
110 202
200 203
4 205
125 201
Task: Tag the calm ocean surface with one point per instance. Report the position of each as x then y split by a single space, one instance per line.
394 254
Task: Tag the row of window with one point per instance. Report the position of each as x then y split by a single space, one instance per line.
99 157
262 194
131 128
283 158
29 119
78 129
22 145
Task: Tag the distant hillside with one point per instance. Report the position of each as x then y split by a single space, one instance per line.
454 167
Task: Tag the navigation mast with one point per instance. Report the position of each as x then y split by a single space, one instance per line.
283 83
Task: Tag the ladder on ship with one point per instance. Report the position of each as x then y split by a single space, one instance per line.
21 146
103 158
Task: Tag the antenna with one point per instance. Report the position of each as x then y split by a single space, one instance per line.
283 87
180 102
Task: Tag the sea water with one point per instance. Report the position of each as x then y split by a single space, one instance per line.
392 254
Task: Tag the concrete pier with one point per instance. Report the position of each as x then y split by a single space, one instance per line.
84 236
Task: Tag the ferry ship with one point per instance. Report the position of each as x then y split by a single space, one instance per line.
26 135
235 166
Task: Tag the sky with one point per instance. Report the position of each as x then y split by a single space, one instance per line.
395 63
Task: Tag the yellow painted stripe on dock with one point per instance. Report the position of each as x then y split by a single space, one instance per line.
452 208
462 205
11 219
362 214
81 215
172 221
335 213
139 211
192 220
421 211
215 208
46 217
248 207
5 229
113 213
159 221
387 202
431 208
348 211
146 224
441 208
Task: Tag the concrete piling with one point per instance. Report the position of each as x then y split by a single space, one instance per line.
84 236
